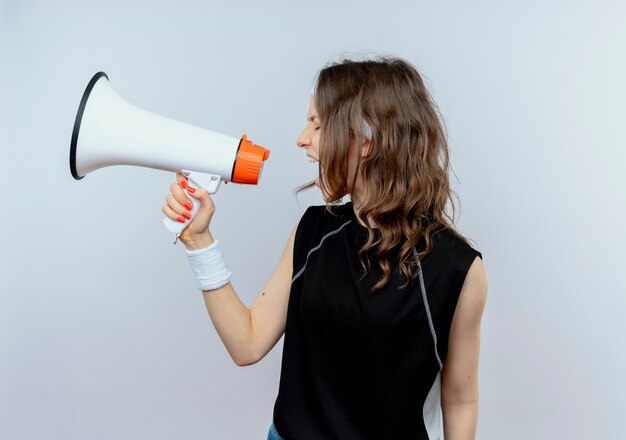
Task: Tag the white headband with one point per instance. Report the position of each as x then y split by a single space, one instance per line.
367 131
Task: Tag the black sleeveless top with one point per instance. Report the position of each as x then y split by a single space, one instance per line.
357 365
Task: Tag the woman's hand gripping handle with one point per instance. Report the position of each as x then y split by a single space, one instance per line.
189 208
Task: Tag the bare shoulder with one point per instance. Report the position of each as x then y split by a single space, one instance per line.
460 373
458 249
473 296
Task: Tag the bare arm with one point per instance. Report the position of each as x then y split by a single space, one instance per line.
459 388
247 333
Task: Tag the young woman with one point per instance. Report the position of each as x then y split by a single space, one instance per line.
380 299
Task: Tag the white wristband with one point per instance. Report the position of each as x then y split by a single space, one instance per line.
209 267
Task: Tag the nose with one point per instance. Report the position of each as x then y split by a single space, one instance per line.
304 139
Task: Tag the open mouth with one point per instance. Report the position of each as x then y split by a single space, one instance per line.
311 159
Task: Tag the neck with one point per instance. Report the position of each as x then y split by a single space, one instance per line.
356 204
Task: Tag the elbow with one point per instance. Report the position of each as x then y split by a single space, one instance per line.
460 402
245 361
470 397
460 395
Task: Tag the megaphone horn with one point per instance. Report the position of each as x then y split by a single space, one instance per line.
110 131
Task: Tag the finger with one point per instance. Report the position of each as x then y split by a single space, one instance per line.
183 181
180 195
205 198
177 207
172 214
180 177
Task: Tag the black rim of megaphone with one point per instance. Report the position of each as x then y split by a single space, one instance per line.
77 121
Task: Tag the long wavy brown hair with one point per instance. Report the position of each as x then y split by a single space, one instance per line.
404 177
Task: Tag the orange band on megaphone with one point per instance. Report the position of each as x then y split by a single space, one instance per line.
249 162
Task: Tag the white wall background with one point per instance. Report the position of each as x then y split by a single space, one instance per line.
102 332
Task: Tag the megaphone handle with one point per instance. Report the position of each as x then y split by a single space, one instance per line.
210 182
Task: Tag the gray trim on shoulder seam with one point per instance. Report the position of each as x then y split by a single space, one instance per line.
316 248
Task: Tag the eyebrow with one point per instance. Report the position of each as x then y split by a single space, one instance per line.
313 118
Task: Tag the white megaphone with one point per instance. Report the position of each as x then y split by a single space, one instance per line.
110 131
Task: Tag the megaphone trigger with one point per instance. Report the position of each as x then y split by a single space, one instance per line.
210 182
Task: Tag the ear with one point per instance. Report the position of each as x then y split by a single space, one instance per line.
366 147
